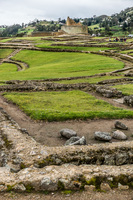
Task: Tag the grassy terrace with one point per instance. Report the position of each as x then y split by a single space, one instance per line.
47 45
73 105
126 89
5 52
43 65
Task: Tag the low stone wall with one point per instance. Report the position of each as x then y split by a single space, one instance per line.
37 86
115 81
129 74
108 92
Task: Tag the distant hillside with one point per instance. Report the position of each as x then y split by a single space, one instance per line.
115 25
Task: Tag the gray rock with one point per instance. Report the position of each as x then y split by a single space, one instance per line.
68 133
128 100
48 184
72 140
122 158
76 141
19 188
120 125
102 136
105 187
119 135
109 160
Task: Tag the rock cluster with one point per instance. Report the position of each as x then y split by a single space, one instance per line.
119 135
73 138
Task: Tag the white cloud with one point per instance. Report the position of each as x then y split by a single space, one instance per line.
18 11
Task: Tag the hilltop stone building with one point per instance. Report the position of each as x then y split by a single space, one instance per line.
73 28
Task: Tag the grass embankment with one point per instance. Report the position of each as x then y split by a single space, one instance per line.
126 89
59 106
5 52
43 65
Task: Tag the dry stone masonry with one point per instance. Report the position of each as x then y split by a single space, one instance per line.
29 166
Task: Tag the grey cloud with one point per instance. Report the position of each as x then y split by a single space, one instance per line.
18 11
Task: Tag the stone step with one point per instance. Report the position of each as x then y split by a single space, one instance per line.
67 177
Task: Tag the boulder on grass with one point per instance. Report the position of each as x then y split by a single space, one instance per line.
68 133
102 136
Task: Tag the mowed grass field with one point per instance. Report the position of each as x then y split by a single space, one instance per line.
43 65
60 106
64 105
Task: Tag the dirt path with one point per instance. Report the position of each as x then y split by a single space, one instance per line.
47 133
86 195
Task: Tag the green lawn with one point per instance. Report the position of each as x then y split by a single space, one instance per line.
126 89
43 65
5 52
59 106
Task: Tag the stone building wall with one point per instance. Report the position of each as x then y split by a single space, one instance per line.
74 29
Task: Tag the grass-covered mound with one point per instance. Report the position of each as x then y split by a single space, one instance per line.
59 106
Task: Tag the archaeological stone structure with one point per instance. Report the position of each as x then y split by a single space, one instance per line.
72 27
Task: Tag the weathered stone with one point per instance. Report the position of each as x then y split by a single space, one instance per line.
109 160
76 141
89 187
119 135
72 140
105 187
19 188
3 188
108 92
120 125
122 158
128 100
48 184
68 133
123 187
102 136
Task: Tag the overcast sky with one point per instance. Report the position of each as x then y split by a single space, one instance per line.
18 11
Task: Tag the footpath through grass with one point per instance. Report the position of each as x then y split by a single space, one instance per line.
60 106
43 65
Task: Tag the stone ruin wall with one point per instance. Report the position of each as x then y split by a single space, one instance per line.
74 29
